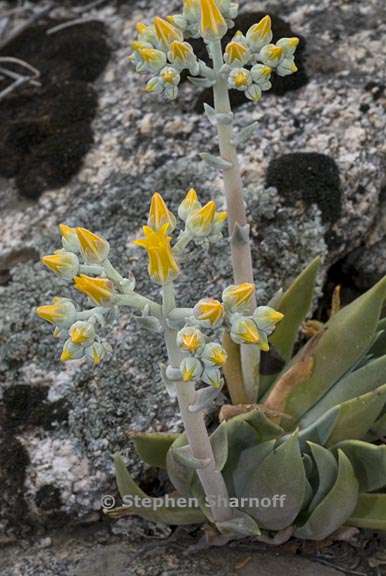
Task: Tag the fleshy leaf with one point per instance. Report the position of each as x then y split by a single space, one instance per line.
327 473
280 473
241 524
180 475
349 420
336 507
370 512
348 335
369 463
219 443
295 305
159 512
240 437
152 447
353 384
250 459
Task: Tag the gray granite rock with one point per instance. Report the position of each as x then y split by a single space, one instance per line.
142 146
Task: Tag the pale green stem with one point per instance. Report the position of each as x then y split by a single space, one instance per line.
182 241
91 269
237 220
139 302
210 477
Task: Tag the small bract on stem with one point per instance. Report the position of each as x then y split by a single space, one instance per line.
246 65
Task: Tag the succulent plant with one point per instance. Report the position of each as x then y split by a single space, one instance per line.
297 452
303 461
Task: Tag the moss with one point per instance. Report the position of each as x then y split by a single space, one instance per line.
280 86
310 177
48 498
13 463
26 405
46 131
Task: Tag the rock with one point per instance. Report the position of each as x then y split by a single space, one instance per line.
63 422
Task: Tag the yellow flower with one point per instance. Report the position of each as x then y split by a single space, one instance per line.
238 296
245 331
71 352
266 318
189 204
141 28
191 369
180 51
61 312
99 290
159 214
94 248
214 354
190 339
97 352
235 52
82 333
154 59
271 55
260 34
166 32
200 221
162 265
213 25
209 310
69 238
64 263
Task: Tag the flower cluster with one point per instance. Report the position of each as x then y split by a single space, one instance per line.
247 328
248 61
205 359
256 50
82 251
160 49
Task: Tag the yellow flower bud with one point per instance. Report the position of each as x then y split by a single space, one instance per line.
159 214
190 339
154 59
61 312
271 55
166 33
235 52
200 221
94 248
213 25
238 296
209 310
63 263
260 34
214 354
266 318
245 331
162 265
99 290
70 240
191 369
189 204
71 352
82 333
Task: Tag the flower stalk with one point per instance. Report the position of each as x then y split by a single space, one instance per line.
241 257
210 477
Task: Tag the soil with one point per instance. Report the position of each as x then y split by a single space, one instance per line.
145 550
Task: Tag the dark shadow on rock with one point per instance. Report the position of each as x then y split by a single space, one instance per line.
46 131
310 177
280 85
